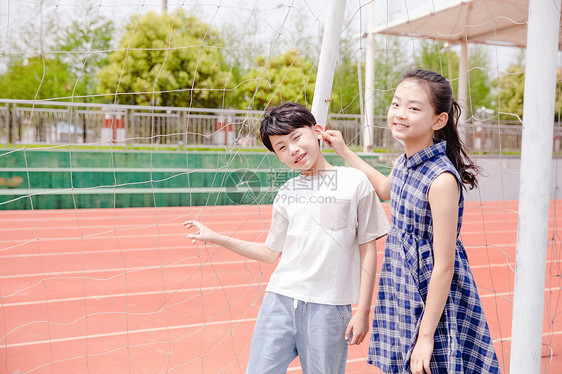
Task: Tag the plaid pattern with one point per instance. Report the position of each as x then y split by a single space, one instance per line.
462 342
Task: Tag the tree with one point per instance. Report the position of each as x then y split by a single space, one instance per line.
40 30
170 60
86 39
36 78
243 44
511 87
558 102
438 57
345 88
389 64
44 74
282 78
479 88
33 70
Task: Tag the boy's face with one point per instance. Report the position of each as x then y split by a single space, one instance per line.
299 149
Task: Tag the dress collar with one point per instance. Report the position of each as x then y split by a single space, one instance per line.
439 147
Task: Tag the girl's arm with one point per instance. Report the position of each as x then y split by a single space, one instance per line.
443 200
380 182
255 251
359 323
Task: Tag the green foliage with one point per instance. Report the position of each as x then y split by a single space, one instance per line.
40 31
170 60
435 56
32 71
46 75
389 60
558 102
511 89
36 78
345 88
87 35
511 86
389 64
479 88
282 78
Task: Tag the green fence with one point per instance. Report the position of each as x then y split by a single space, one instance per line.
68 179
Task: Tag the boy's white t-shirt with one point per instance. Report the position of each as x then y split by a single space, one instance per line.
318 223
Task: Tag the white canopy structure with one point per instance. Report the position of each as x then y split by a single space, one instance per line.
491 22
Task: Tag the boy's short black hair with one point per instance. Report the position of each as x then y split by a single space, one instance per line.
282 120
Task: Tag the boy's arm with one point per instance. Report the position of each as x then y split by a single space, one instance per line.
380 182
360 322
255 251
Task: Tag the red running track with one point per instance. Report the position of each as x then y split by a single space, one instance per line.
124 291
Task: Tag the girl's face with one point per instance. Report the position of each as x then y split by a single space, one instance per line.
299 149
411 116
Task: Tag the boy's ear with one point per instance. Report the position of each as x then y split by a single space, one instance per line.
440 121
318 129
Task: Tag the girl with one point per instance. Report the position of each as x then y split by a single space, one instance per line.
428 316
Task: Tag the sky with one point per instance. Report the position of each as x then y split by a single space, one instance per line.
16 13
261 18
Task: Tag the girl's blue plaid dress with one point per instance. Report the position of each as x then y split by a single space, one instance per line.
462 342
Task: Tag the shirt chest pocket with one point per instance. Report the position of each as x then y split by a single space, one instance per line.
334 214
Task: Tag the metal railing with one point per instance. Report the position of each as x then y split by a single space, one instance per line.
46 122
28 122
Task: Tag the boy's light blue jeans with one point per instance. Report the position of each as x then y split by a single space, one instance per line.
287 328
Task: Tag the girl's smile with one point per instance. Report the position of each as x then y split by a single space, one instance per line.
400 126
411 116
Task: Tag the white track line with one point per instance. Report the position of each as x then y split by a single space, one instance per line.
184 247
131 294
123 234
61 274
482 295
208 262
119 333
174 221
178 327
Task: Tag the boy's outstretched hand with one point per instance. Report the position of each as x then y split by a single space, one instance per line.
335 140
203 234
253 250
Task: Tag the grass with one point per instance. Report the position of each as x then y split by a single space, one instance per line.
130 147
204 148
197 148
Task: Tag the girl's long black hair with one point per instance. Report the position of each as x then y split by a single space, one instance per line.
441 96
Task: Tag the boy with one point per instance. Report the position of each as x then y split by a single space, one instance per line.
324 226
